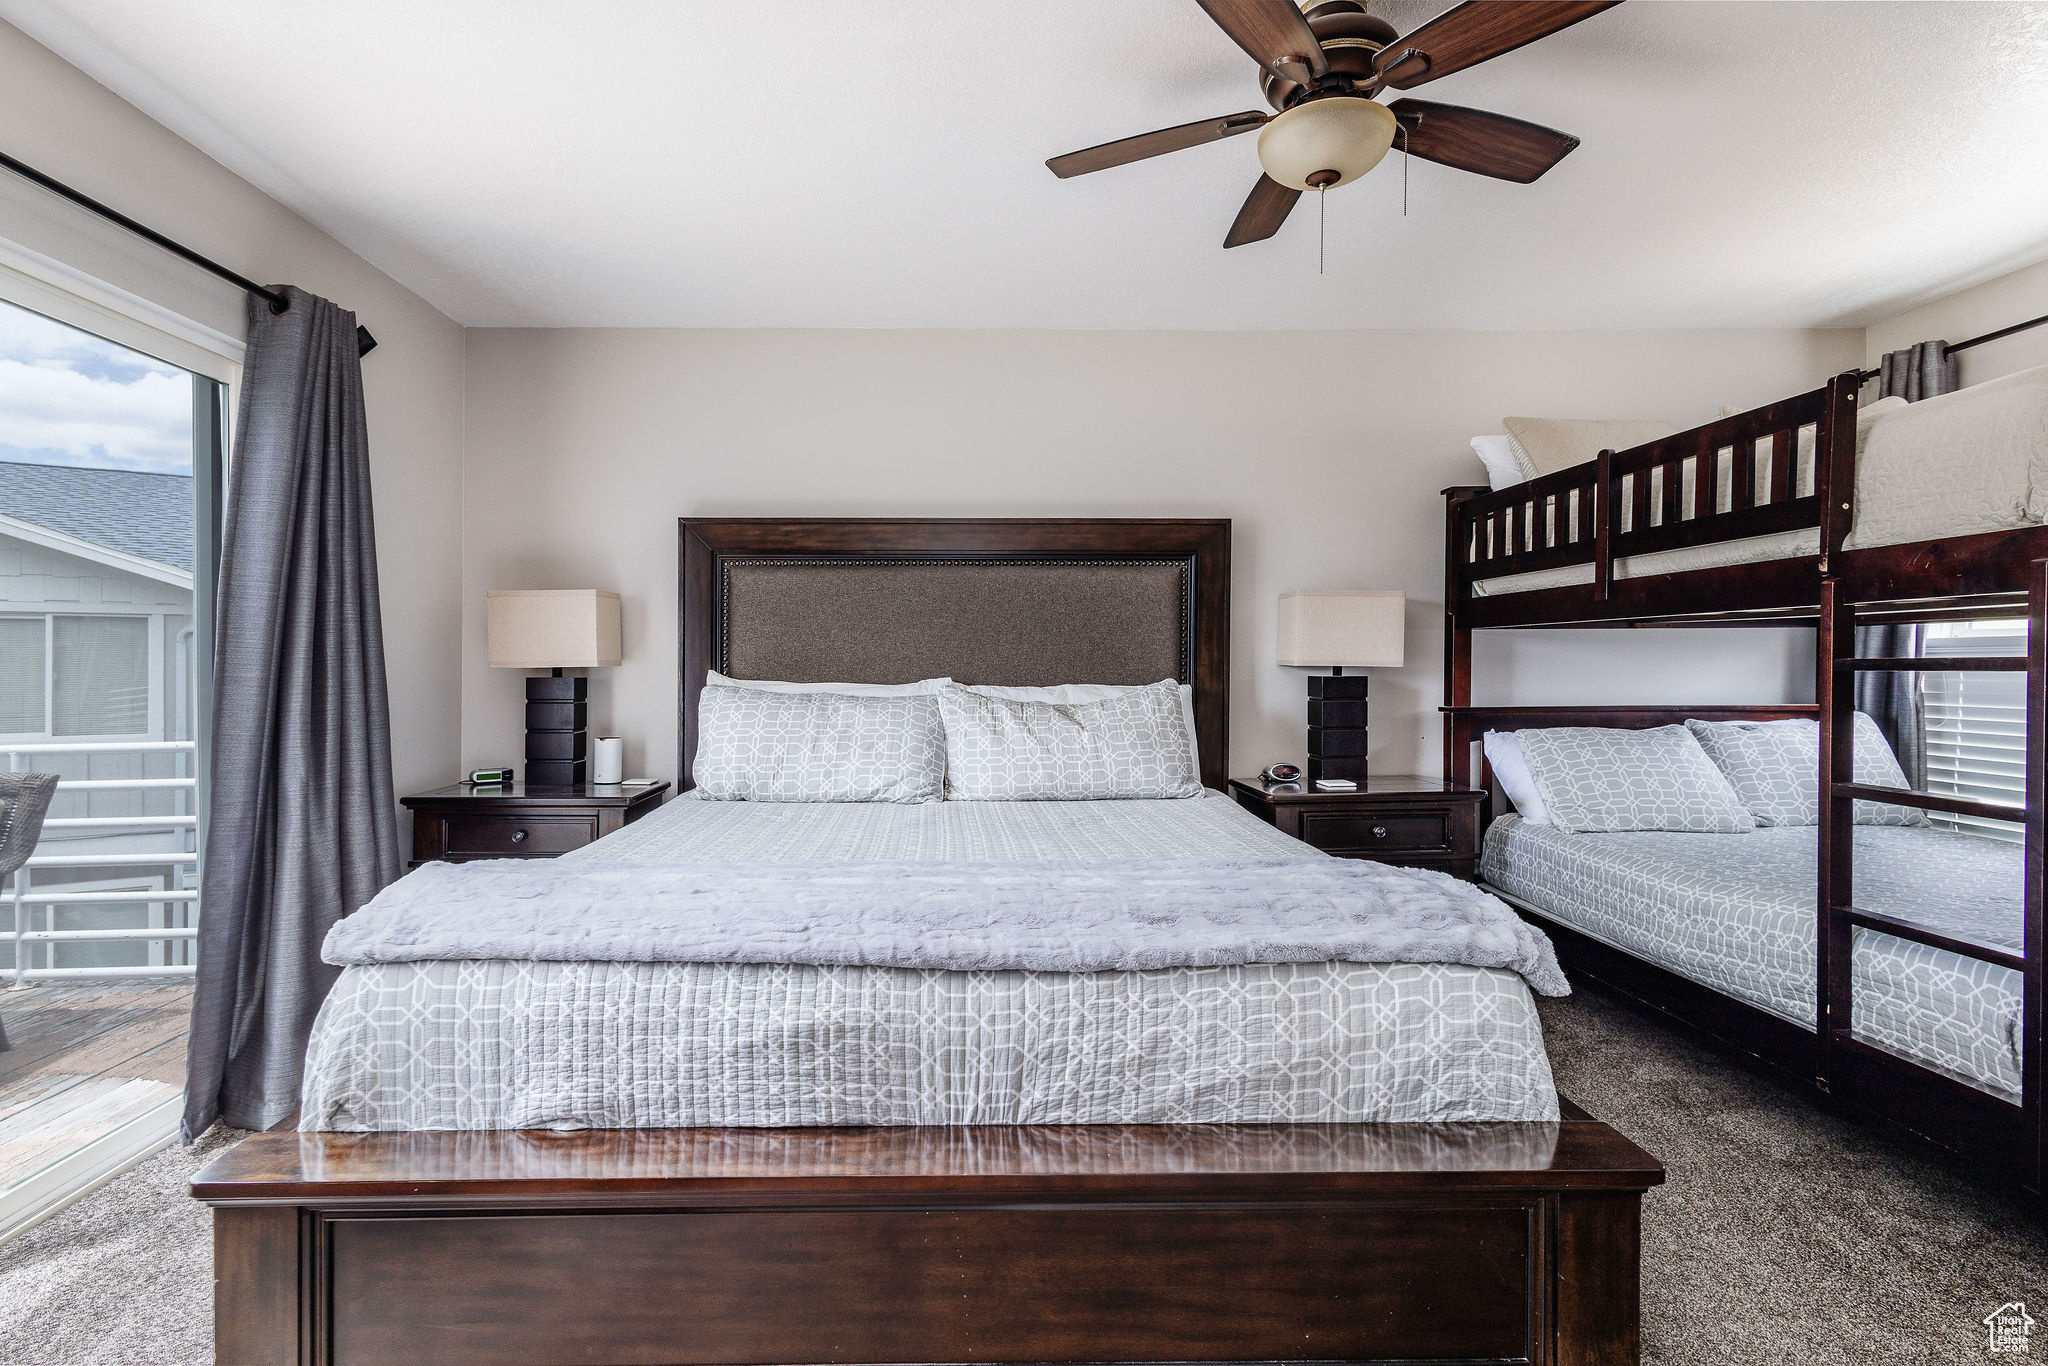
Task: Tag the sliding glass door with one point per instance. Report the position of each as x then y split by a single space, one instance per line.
109 478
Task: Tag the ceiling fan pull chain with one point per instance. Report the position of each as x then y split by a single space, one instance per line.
1322 217
1405 159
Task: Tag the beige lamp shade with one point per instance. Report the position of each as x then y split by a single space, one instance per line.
552 628
1342 628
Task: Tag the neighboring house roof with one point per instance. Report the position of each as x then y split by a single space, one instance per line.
148 516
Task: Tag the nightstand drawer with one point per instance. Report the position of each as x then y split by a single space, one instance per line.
1408 832
470 836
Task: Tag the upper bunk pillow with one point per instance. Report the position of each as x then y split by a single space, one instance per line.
1775 768
1972 461
758 745
1097 692
714 679
1005 749
1503 466
1504 757
1598 781
1545 445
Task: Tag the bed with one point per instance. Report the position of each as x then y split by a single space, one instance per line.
1736 913
1246 1195
524 1045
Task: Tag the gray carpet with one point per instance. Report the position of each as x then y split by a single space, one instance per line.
1784 1235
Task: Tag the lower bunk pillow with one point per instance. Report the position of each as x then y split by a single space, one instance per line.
1598 780
1775 769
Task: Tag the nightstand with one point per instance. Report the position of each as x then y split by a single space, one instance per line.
459 822
1414 822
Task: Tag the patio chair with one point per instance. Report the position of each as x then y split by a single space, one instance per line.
24 799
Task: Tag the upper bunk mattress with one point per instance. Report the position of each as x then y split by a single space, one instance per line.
521 1044
1960 464
1736 913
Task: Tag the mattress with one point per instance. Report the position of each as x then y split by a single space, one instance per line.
1736 913
503 1044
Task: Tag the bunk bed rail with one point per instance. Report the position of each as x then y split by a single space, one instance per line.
1765 471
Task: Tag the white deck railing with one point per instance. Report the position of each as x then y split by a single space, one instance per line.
172 915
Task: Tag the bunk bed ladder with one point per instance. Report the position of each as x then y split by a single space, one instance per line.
1840 917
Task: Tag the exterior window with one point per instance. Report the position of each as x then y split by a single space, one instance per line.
1976 723
99 676
23 676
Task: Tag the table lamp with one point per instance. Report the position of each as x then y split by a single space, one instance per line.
554 629
1339 629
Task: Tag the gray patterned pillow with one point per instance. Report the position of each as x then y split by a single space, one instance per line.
1775 767
757 746
1608 780
1001 749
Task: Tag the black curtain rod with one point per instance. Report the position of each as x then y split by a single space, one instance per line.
279 302
1950 348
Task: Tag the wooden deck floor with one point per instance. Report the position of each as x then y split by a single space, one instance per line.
87 1057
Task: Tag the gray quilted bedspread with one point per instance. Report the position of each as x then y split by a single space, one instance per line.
1736 913
450 1043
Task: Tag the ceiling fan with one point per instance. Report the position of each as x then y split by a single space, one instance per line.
1325 62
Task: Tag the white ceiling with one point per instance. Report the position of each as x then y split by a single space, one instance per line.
681 163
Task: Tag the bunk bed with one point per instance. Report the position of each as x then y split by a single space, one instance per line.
1765 517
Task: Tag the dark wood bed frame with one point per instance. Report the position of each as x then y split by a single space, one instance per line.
1207 1243
1572 518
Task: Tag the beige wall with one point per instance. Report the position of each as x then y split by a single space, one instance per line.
1972 312
61 122
1328 450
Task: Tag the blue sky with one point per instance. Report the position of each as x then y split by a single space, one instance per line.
69 398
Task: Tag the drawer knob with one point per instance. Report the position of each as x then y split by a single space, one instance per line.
519 837
1379 832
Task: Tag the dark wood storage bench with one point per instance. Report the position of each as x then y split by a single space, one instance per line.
1343 1242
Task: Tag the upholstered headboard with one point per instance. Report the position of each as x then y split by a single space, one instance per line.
1011 601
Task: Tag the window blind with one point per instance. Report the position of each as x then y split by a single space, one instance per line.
21 676
1977 726
100 675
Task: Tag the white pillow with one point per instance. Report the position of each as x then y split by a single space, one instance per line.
1497 453
714 679
1133 745
1596 780
1504 756
759 745
1095 692
1545 445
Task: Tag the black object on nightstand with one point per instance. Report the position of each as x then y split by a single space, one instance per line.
1413 822
520 820
557 718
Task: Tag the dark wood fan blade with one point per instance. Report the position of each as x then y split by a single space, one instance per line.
1275 35
1265 209
1475 32
1175 139
1474 140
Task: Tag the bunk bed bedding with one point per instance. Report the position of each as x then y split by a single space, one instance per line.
501 1043
1736 913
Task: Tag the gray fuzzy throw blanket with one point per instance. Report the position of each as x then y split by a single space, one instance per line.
1112 916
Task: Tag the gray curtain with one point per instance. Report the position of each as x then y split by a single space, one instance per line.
301 826
1921 370
1893 700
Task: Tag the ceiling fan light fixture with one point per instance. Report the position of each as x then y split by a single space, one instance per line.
1346 134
